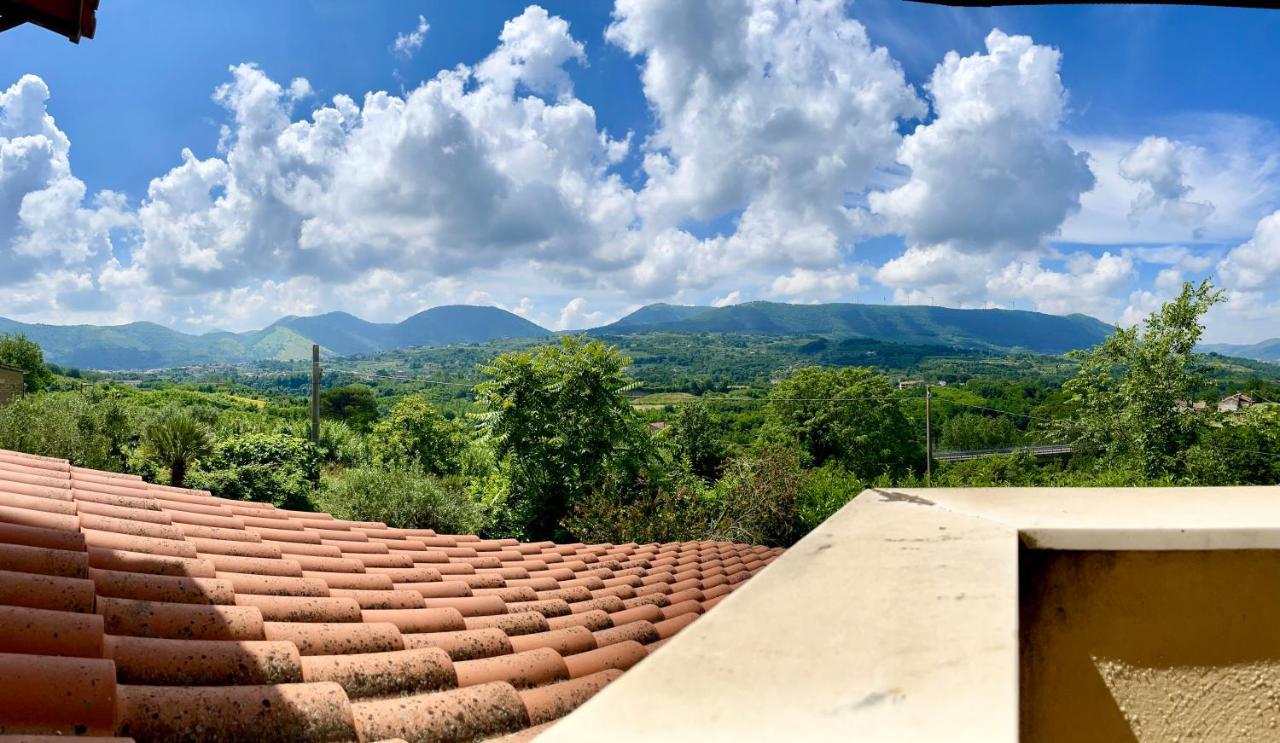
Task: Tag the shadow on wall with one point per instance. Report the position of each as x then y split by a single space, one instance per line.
1150 646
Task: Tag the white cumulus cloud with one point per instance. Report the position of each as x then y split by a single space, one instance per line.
408 43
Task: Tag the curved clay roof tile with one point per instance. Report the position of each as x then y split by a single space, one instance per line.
47 632
509 594
396 599
58 695
522 623
149 660
621 656
553 701
565 641
521 670
180 621
277 712
596 619
473 713
36 536
463 645
140 562
46 591
24 559
303 608
384 674
418 620
325 638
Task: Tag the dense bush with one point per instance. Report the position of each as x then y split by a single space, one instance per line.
625 509
825 490
968 431
869 434
339 444
757 501
269 468
353 404
91 429
560 425
415 434
696 439
405 498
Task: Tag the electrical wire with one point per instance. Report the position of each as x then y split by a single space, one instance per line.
375 375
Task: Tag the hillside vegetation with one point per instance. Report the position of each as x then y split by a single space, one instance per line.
144 345
538 439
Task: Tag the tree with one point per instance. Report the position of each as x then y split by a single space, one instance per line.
272 468
176 440
968 431
695 436
21 352
849 415
353 404
1131 395
414 434
559 421
92 429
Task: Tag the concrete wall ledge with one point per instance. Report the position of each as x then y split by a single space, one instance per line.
898 618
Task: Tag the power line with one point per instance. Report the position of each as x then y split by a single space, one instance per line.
996 410
423 380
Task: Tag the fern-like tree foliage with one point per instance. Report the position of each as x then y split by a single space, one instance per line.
176 440
559 422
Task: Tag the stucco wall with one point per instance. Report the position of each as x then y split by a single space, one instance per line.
10 385
1150 645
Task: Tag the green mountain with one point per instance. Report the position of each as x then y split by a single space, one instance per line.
145 345
997 330
1268 350
658 313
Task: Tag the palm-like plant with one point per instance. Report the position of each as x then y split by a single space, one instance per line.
176 440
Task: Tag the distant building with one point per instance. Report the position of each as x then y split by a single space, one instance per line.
657 426
11 383
1232 403
1198 405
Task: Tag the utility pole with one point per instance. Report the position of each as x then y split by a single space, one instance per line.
928 435
315 394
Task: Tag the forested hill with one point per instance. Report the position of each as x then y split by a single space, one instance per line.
1268 350
998 330
144 345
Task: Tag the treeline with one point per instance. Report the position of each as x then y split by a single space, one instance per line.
549 444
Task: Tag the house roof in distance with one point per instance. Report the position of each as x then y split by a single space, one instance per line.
147 612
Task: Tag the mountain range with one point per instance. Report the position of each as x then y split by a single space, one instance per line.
993 330
144 345
1268 350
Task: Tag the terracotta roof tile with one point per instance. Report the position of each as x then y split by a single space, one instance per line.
157 613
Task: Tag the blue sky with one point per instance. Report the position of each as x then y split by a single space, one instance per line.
596 158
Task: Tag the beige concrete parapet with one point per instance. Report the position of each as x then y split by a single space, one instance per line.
994 614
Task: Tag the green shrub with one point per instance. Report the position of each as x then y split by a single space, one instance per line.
175 441
269 468
404 498
625 510
757 500
825 490
415 434
339 445
91 429
20 352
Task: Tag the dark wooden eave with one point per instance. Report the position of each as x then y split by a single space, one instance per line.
74 19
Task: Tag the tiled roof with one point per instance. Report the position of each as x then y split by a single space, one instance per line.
154 613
